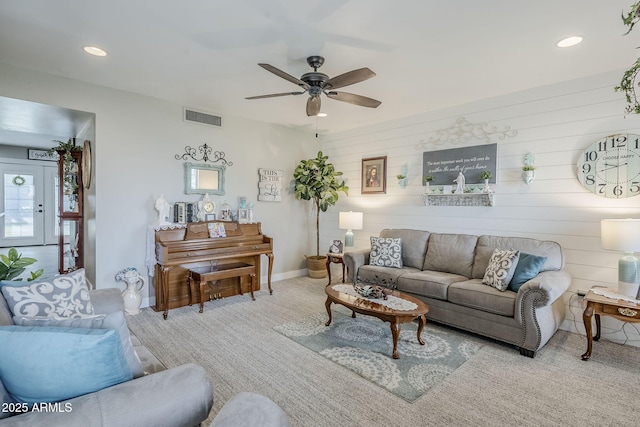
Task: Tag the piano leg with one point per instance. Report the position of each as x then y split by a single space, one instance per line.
253 282
165 291
270 255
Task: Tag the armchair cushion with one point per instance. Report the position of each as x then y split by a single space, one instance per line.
50 364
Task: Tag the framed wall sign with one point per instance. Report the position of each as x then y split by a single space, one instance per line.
374 175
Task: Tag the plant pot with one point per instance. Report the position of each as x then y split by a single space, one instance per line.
317 266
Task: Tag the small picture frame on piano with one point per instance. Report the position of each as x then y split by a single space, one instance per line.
210 217
243 216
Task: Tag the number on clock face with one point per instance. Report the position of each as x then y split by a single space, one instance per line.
611 167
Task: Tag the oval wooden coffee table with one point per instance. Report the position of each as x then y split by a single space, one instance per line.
369 307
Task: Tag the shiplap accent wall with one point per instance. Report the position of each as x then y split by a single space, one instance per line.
555 124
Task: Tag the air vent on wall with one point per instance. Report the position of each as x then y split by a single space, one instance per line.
193 116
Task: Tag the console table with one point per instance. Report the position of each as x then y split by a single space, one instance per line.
600 305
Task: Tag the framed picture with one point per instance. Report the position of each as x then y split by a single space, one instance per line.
374 175
243 216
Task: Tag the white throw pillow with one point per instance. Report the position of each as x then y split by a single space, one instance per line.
502 265
386 252
63 296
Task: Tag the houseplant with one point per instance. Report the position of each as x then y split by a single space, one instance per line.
317 180
14 264
65 148
528 173
629 77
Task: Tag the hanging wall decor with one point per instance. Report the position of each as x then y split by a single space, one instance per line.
463 131
270 185
206 152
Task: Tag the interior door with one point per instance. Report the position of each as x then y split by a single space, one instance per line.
23 205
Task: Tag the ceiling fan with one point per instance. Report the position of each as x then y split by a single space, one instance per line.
317 83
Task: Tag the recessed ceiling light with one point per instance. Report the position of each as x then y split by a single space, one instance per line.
322 114
95 51
569 41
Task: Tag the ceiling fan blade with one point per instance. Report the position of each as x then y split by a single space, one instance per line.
313 106
349 78
273 95
284 75
360 100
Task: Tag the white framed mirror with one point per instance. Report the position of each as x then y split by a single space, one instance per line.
203 179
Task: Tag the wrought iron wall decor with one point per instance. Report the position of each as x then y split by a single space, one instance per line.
191 152
463 131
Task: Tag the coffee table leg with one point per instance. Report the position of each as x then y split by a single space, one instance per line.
327 304
395 332
422 320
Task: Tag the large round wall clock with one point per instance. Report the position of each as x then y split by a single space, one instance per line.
610 167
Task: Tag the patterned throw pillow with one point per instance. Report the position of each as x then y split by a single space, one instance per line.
502 265
386 252
63 296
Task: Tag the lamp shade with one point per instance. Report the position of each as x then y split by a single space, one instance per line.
620 234
350 220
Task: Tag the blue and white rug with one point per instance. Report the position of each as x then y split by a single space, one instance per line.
364 345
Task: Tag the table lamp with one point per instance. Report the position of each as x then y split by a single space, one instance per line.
350 221
624 235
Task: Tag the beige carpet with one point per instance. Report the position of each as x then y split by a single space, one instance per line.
235 342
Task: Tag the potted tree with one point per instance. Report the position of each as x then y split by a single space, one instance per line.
317 180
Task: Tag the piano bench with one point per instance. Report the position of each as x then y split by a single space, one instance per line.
203 275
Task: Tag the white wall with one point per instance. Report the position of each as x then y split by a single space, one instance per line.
554 123
136 139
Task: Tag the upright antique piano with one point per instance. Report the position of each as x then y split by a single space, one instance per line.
178 250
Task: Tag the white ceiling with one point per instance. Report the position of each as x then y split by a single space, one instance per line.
427 54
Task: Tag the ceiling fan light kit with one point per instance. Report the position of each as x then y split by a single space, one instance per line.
316 83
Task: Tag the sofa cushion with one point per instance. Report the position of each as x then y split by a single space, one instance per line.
528 267
432 284
63 296
5 399
386 252
414 245
476 295
114 320
451 253
50 364
486 245
502 265
383 276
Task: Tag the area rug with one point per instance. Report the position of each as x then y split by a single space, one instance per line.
364 346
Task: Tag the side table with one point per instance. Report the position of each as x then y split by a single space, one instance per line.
600 305
335 258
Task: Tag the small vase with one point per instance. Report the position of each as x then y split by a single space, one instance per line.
486 188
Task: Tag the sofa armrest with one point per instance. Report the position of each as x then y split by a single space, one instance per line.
177 397
106 301
250 410
354 260
550 285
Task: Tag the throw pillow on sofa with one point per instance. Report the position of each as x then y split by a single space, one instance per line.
386 252
114 320
50 364
62 296
502 265
528 267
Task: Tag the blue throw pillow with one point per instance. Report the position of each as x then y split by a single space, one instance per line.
528 267
50 364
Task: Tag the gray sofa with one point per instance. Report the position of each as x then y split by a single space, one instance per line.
446 271
180 396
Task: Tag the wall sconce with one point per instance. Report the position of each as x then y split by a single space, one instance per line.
528 168
350 221
402 176
624 235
